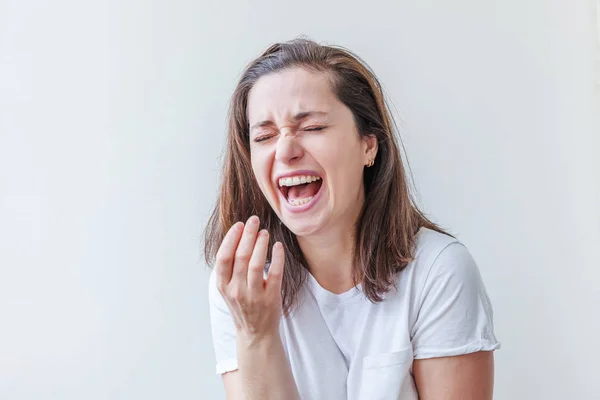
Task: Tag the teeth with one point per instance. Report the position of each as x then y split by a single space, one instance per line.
299 202
298 180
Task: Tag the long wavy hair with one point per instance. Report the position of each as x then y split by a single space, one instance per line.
386 229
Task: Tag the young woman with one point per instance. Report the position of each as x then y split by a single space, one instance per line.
362 297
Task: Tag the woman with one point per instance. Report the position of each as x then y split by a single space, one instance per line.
362 297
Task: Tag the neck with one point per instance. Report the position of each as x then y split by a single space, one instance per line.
329 254
330 258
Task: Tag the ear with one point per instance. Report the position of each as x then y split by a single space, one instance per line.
370 148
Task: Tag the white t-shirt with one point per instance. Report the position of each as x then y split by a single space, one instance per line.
344 347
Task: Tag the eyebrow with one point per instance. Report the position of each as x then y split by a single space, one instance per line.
298 117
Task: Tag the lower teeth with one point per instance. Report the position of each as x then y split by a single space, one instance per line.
299 202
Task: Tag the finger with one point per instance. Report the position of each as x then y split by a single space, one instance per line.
226 253
275 275
244 252
256 267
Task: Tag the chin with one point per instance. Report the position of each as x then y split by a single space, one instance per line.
306 225
302 229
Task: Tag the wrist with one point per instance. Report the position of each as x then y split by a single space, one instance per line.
257 341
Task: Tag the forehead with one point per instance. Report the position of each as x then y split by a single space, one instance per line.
284 93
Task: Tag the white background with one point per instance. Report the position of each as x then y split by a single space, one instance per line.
112 122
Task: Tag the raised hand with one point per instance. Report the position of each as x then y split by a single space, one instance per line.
254 302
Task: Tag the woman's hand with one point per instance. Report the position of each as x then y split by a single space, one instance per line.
254 302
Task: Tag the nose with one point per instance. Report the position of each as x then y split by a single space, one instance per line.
288 149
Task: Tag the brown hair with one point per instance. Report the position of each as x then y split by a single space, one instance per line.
389 221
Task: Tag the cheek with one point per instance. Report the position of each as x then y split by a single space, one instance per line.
343 158
260 168
348 169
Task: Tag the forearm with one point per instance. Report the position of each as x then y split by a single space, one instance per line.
264 369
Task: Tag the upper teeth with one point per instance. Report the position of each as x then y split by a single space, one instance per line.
298 180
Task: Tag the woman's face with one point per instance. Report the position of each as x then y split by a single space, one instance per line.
306 153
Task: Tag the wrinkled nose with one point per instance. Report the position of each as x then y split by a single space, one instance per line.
288 149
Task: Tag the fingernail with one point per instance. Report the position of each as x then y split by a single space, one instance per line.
238 226
253 220
263 233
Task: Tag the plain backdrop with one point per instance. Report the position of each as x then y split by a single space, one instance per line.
112 124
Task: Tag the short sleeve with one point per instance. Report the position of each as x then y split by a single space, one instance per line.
455 314
223 329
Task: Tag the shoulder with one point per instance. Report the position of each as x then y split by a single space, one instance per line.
451 313
430 244
434 249
438 257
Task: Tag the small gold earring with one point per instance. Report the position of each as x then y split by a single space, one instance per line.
371 162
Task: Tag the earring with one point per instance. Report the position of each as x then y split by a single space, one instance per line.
371 162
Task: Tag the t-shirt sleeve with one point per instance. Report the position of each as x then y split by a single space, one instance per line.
223 329
455 314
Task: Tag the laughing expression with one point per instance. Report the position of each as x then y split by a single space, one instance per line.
307 155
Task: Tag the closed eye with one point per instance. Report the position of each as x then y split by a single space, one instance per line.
262 138
314 128
308 129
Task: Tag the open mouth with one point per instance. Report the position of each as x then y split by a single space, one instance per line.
300 189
